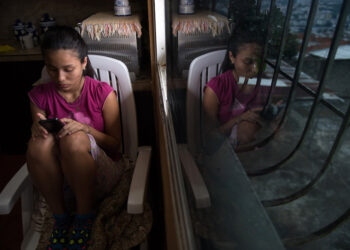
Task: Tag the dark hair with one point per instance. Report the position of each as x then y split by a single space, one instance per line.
239 37
65 37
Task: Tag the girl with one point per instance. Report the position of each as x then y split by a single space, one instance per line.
78 158
225 101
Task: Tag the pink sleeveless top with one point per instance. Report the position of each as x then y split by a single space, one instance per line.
232 102
87 108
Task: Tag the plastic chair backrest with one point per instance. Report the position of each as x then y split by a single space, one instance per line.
202 69
116 73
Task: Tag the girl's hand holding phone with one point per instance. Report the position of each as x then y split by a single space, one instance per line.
45 126
38 130
52 126
251 115
71 127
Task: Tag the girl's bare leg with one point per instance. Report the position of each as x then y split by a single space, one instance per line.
45 171
247 133
79 169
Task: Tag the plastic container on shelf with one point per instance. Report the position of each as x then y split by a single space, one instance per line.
23 36
122 8
31 29
47 22
27 40
186 7
18 27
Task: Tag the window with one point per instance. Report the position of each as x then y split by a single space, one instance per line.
290 180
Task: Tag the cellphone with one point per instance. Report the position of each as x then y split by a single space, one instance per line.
271 111
52 125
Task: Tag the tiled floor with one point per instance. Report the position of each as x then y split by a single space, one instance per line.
327 200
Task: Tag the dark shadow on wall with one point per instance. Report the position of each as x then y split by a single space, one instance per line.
17 80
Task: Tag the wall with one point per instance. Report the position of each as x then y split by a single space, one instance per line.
66 12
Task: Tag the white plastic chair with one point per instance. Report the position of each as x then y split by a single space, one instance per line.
202 69
116 74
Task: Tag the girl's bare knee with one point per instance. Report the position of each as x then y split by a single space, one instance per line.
247 132
74 143
39 148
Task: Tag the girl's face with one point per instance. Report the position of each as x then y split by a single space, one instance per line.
246 59
65 68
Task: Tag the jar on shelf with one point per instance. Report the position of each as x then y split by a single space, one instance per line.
186 7
122 8
31 29
17 29
47 22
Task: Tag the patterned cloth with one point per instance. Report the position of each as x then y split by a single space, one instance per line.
202 21
106 24
114 228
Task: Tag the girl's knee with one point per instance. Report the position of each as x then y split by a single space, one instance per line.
77 142
39 148
247 132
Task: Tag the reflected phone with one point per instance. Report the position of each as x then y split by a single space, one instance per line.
52 125
271 111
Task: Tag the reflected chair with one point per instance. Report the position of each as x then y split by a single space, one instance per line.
20 186
244 200
201 70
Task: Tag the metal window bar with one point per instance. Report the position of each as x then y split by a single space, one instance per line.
281 49
310 92
302 52
258 6
318 95
267 35
295 81
317 101
326 166
291 242
336 145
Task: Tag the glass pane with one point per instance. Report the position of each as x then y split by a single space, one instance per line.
326 201
256 137
337 89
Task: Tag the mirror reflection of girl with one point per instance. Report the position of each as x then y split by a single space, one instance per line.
81 159
229 104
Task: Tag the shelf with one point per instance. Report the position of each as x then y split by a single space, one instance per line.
21 55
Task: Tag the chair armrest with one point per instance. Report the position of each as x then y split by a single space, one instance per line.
139 181
199 189
13 190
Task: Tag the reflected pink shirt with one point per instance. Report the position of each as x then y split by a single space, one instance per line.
232 102
87 108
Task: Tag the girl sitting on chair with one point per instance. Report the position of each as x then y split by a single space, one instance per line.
81 158
232 107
